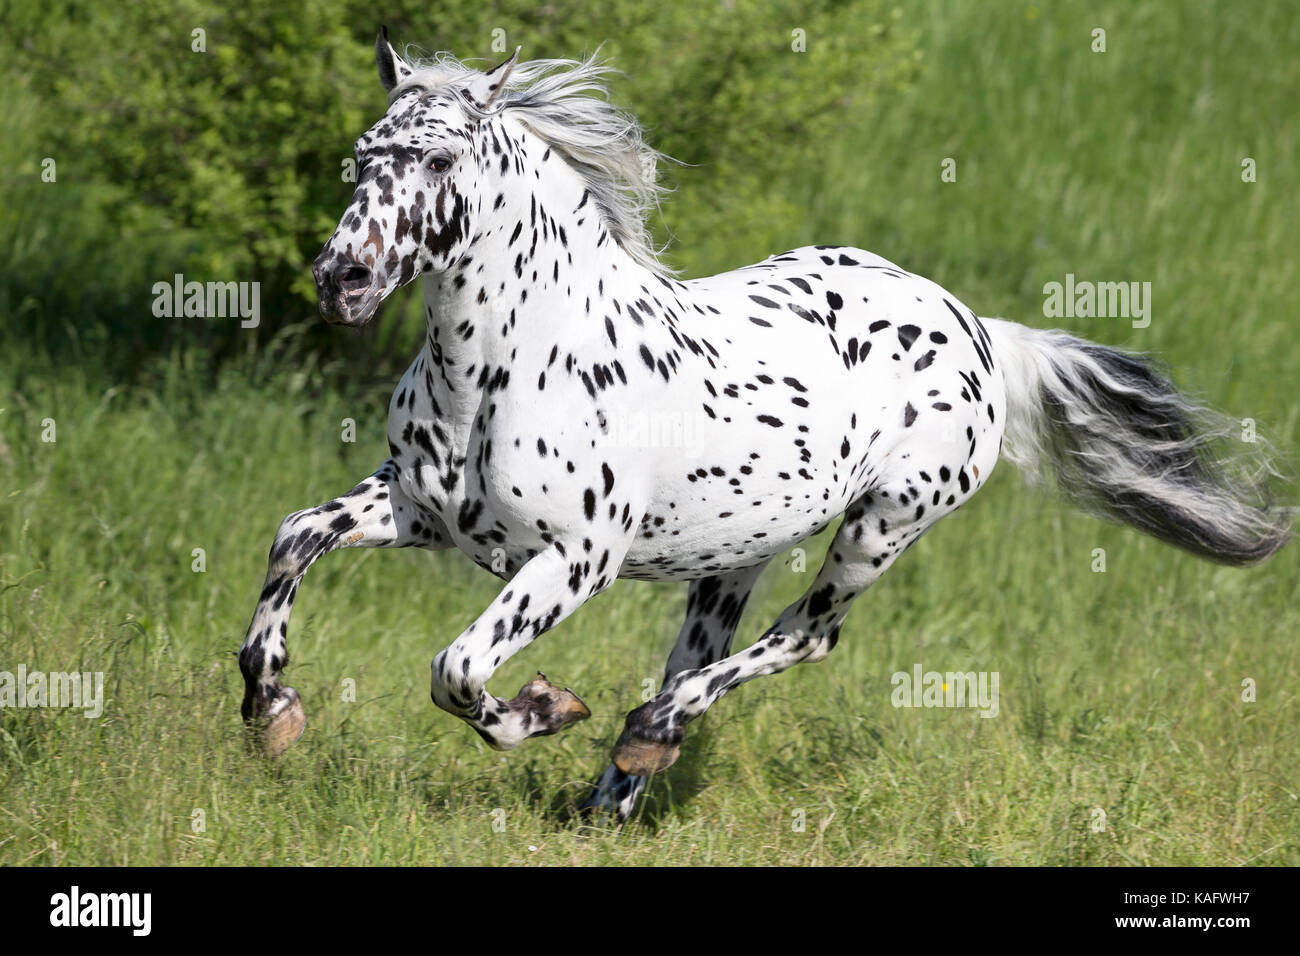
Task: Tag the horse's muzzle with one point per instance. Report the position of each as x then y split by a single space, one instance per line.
347 291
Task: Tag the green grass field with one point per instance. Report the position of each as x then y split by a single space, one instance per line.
1121 691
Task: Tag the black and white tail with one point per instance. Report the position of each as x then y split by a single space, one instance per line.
1125 445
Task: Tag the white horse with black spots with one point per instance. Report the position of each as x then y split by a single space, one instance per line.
822 382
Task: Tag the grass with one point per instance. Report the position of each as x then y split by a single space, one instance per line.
1120 691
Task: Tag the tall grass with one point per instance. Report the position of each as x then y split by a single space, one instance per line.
1122 737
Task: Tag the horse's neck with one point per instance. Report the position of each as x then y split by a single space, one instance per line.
477 330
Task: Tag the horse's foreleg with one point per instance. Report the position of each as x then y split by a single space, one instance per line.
713 609
547 589
374 514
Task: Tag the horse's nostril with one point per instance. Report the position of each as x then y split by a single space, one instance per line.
355 278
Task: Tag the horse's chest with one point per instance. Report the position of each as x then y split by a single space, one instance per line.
462 476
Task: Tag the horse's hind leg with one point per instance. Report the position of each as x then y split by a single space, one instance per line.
713 609
374 514
877 528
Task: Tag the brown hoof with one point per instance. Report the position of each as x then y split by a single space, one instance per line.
552 707
283 724
641 757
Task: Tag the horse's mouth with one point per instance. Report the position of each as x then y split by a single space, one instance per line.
351 309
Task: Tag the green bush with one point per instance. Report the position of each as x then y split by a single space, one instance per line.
226 163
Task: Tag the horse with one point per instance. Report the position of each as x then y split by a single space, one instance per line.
822 384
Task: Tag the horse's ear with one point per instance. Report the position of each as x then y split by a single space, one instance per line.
487 87
392 68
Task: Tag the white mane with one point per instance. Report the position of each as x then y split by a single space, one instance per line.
604 144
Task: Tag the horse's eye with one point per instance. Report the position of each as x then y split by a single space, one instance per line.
439 164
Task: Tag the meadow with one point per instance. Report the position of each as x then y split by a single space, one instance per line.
1123 737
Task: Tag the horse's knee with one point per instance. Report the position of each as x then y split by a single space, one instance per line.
296 546
451 686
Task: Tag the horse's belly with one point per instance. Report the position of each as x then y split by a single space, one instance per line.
684 536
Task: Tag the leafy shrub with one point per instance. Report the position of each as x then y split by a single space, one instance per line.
226 164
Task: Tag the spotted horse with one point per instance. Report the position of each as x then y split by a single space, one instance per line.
819 384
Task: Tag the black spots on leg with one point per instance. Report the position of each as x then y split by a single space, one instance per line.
844 448
608 474
833 637
771 420
819 602
251 660
878 325
721 681
963 480
944 473
589 504
541 448
285 594
703 597
909 415
834 300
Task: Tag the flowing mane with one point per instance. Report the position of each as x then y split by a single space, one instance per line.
604 144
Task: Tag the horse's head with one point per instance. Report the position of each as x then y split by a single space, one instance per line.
464 157
418 184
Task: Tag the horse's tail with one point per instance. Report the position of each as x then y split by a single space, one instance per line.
1125 445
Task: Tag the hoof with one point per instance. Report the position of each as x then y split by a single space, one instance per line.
283 724
641 757
551 708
